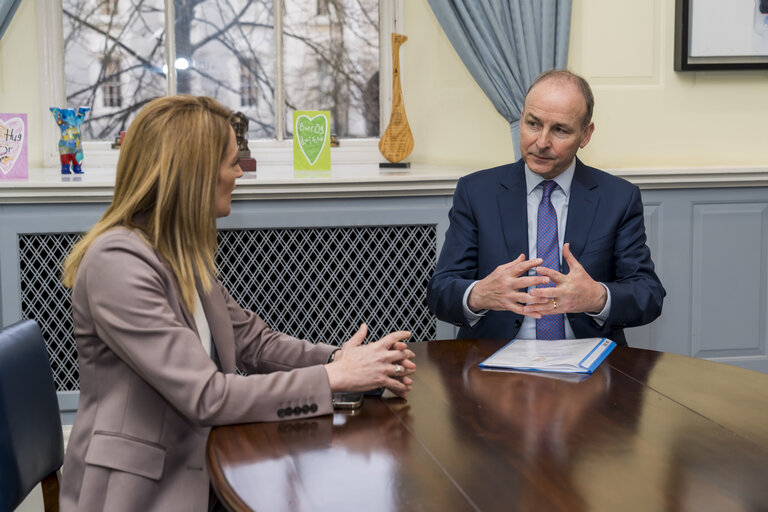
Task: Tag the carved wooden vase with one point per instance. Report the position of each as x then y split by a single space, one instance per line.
397 141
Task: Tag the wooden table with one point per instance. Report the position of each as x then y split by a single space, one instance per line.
647 431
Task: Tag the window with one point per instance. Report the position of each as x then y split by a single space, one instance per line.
111 82
285 46
271 57
135 32
335 56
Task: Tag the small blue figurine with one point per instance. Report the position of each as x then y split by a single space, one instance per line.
70 144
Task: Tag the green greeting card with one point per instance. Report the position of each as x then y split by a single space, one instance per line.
311 143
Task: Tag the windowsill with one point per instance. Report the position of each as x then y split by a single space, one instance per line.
48 185
348 180
354 173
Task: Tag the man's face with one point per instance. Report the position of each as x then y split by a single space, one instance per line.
552 127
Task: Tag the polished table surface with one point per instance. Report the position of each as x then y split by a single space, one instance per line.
647 431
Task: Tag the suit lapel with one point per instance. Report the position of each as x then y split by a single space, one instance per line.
513 210
222 335
582 206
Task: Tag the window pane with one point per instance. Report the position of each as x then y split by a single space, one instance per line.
225 49
114 53
331 62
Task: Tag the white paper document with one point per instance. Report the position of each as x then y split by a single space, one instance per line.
569 356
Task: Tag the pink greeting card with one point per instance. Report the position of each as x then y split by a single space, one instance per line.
13 146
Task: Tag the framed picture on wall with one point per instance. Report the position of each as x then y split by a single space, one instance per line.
721 35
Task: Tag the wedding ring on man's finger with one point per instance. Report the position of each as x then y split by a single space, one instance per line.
554 304
399 370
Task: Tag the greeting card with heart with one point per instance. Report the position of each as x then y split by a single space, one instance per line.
13 146
312 143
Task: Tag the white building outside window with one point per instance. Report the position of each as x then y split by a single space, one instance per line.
111 82
249 90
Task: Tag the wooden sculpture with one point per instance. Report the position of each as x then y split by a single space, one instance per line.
397 141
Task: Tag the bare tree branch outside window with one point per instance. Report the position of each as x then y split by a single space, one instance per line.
115 60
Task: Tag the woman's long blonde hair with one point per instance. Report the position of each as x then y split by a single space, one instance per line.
166 180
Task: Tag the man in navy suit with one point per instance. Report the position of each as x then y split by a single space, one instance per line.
489 280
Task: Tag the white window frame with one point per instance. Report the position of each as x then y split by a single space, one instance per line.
275 152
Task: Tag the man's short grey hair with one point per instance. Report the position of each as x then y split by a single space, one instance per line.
568 76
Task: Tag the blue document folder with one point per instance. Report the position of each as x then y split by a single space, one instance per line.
561 356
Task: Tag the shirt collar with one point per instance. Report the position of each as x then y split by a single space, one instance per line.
564 179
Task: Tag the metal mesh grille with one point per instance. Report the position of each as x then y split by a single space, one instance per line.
44 299
321 283
314 283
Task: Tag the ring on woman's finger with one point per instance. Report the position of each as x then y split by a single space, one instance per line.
554 304
399 370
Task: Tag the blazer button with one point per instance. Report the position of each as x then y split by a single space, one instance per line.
297 410
518 323
313 407
280 413
305 409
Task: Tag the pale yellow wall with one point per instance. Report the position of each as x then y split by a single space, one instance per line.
646 114
452 121
20 76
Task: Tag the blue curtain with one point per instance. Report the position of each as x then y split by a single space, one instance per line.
7 10
506 44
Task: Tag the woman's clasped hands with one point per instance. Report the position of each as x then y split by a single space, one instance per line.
384 363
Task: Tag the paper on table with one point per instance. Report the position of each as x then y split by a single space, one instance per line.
571 356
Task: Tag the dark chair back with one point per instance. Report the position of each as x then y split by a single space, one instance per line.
31 441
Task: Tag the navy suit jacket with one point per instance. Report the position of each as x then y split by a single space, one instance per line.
606 230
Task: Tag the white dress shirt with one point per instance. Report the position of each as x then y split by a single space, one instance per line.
203 329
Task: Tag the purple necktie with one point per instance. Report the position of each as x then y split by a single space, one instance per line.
549 327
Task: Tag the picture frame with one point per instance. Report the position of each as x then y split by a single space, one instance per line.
712 35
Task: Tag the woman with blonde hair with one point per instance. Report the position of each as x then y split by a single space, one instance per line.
159 337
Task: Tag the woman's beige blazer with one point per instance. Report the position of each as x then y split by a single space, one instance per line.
149 393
